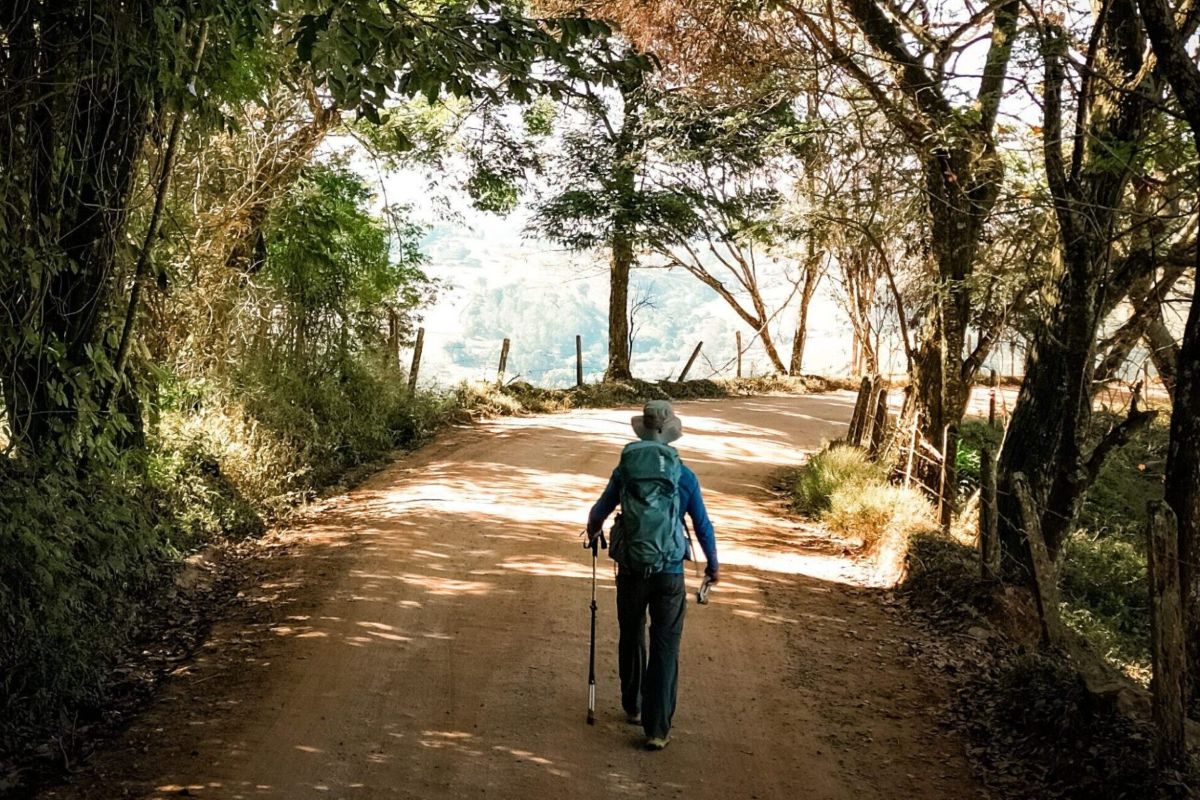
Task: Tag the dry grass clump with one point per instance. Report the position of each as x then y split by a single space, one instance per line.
876 514
850 493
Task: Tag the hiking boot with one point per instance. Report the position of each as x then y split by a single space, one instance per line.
658 742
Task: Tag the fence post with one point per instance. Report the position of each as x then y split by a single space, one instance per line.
1166 637
690 361
578 360
416 361
912 449
738 335
944 511
1045 576
989 519
992 400
503 362
879 430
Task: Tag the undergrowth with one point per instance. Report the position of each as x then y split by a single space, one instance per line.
1103 559
1034 729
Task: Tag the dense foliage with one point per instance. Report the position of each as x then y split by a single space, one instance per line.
202 318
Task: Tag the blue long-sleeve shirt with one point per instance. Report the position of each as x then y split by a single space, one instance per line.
690 503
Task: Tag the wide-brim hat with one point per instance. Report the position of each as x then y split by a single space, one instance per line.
657 423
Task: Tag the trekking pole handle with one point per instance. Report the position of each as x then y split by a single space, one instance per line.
592 544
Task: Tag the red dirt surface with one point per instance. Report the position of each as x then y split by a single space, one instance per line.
426 636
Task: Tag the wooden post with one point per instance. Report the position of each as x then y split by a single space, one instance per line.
912 449
416 362
690 361
989 519
941 497
1166 637
860 407
503 362
992 400
738 334
1045 575
881 422
578 360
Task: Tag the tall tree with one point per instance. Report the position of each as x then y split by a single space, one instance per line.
1088 169
605 203
723 162
1169 31
908 74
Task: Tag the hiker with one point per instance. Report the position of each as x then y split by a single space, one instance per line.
654 490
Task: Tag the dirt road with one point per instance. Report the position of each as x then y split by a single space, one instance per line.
426 636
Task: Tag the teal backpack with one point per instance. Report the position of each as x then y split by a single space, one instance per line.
647 537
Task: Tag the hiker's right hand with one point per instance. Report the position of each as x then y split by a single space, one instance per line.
713 573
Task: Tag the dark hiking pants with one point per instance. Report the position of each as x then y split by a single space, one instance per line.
650 677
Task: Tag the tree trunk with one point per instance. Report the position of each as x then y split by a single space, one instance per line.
618 309
79 125
1164 352
812 276
1045 433
626 159
764 332
943 382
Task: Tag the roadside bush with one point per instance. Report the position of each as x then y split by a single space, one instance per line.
283 432
877 512
86 552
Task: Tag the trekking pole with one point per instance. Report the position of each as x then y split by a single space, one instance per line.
595 545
